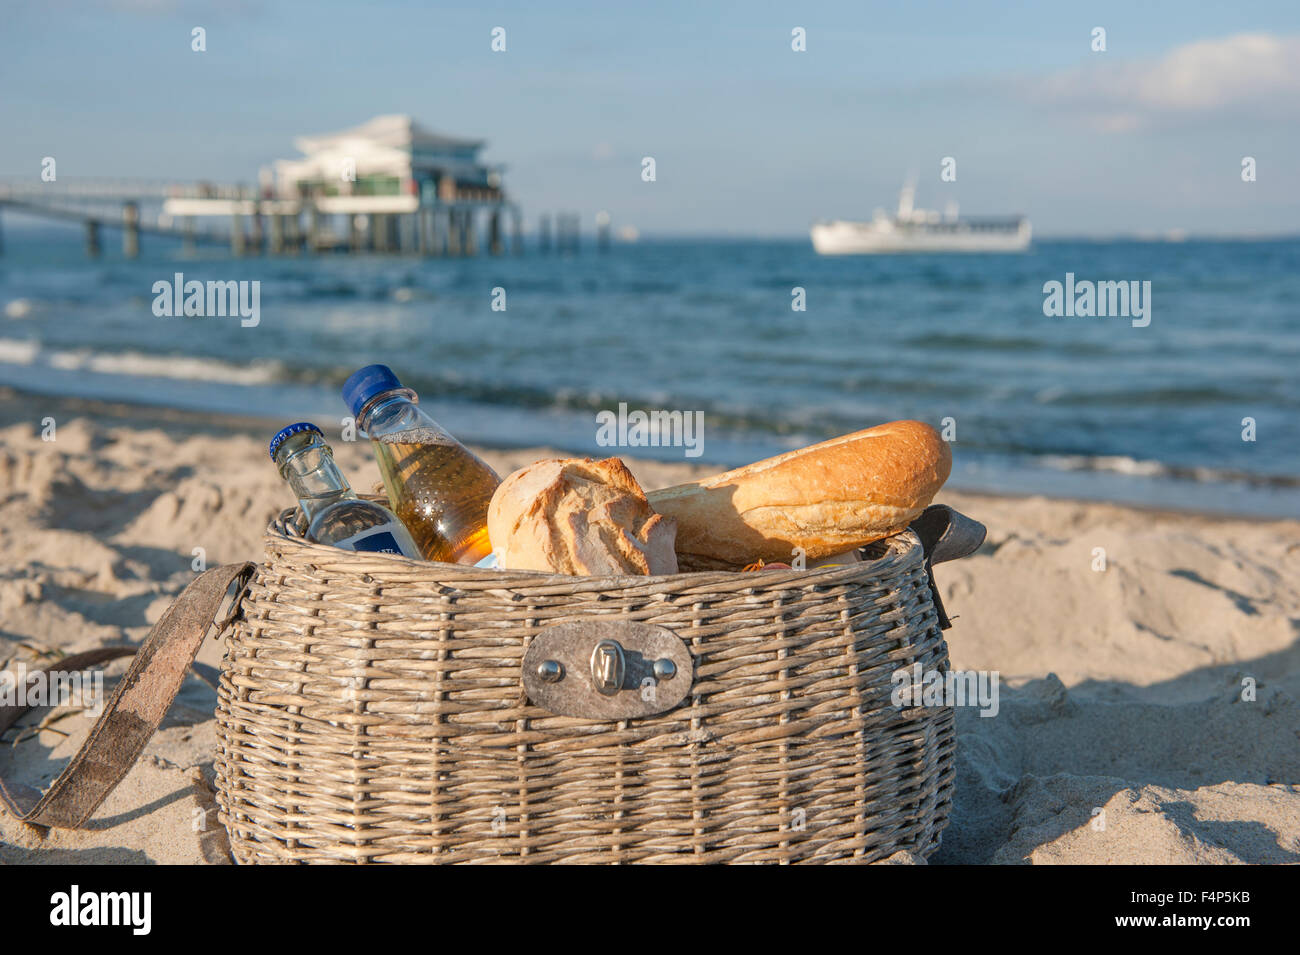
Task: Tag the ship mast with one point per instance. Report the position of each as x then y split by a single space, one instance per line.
905 199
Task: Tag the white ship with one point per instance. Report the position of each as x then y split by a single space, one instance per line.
920 230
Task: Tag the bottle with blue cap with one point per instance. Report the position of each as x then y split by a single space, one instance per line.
438 487
333 514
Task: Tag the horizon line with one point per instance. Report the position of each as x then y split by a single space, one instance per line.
22 221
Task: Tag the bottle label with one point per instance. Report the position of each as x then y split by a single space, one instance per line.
378 541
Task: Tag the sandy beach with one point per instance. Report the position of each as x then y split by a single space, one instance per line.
1148 710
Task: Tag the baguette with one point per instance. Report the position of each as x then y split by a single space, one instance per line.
826 499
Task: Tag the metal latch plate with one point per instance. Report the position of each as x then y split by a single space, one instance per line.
567 669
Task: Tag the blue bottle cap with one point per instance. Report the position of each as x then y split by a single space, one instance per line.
367 382
284 434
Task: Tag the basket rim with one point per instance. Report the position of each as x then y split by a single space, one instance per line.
902 550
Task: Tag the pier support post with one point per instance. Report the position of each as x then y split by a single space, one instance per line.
544 234
354 233
380 222
495 245
313 227
237 241
454 232
469 244
131 230
292 234
92 238
437 234
516 231
189 242
277 234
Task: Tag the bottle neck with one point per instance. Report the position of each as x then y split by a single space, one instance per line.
386 408
307 463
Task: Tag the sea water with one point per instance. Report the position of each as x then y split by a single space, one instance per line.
1198 409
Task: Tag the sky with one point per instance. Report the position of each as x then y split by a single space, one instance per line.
749 136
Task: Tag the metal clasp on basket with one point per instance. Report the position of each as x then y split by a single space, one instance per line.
606 669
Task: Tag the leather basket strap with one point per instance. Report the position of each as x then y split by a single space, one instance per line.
945 534
136 708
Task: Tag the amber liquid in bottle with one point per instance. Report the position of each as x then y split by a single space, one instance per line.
441 492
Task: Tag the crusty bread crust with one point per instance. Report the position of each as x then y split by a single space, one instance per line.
579 516
826 498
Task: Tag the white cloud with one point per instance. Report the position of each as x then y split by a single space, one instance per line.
1257 73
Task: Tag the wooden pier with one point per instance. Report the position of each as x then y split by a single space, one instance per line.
388 186
250 225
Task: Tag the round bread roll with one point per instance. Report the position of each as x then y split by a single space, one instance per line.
827 498
579 516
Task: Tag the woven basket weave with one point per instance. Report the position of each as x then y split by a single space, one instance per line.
371 710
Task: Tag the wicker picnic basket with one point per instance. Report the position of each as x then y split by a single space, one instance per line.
377 709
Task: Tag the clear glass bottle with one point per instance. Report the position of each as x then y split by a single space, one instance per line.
438 487
333 514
